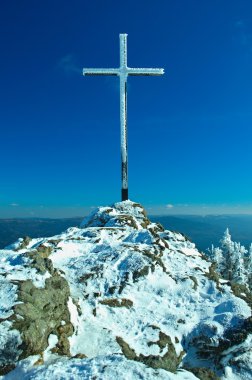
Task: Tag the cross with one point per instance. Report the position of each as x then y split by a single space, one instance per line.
122 72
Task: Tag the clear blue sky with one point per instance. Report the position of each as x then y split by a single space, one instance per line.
190 131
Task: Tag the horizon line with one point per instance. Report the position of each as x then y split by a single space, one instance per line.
151 215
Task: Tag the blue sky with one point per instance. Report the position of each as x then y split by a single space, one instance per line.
189 131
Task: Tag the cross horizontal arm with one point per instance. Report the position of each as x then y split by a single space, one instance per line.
100 72
136 71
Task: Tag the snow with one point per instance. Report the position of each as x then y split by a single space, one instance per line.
101 262
52 341
157 291
10 340
16 267
233 261
243 356
100 368
8 294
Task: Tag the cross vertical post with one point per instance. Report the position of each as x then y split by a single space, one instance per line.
123 71
123 114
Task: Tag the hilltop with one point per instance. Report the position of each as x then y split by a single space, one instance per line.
119 297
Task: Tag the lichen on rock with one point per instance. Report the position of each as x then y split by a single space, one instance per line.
169 361
38 312
41 313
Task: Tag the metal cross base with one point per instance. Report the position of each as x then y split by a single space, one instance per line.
123 71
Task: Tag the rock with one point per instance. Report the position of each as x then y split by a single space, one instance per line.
37 313
44 251
41 313
203 373
113 302
169 361
24 242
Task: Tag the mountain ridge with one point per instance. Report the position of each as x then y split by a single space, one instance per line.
119 294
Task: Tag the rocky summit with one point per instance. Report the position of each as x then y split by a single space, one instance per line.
119 298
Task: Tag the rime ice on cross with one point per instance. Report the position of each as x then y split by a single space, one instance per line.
123 71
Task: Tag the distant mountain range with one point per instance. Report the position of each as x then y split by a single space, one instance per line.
12 229
207 230
204 231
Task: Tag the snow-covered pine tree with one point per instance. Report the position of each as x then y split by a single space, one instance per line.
248 267
238 273
233 260
227 247
216 256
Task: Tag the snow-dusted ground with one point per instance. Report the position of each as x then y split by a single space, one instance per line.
129 280
100 368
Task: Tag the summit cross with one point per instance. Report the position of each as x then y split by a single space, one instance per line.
122 72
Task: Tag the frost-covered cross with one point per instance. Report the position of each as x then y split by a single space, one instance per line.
122 72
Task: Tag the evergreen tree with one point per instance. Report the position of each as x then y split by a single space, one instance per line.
233 260
248 267
227 247
238 272
216 255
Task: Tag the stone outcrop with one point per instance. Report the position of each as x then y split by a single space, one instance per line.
38 312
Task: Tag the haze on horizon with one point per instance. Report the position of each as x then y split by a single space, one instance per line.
19 211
